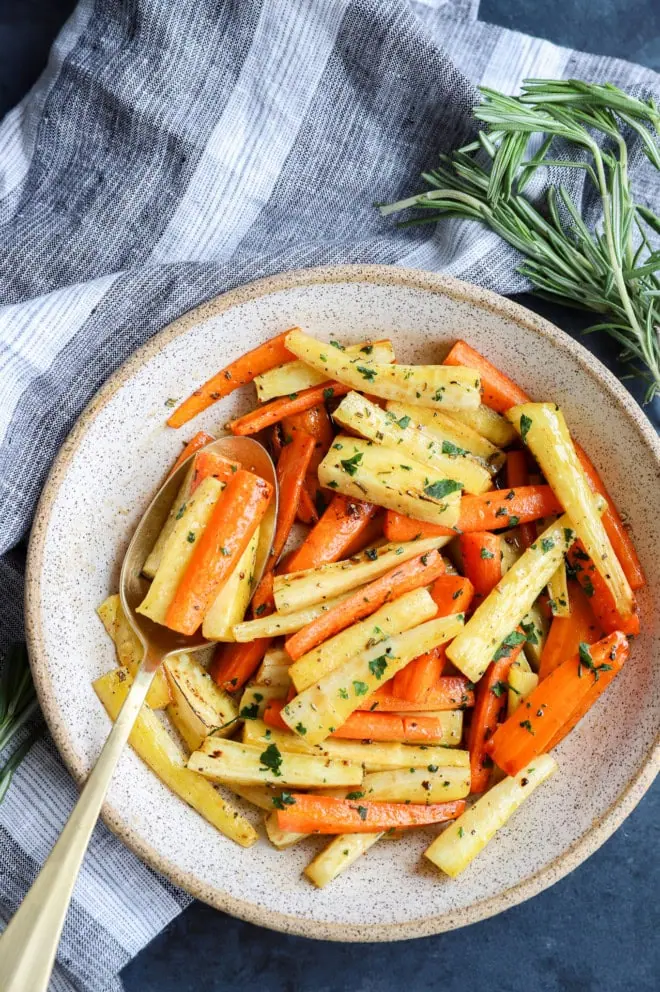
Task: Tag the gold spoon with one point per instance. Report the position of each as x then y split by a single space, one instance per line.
29 944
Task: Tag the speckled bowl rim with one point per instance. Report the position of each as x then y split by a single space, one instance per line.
385 275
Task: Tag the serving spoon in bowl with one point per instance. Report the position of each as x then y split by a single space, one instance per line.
29 943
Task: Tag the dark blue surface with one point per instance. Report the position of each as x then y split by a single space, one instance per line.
595 931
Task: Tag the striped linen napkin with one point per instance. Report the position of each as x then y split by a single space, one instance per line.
172 151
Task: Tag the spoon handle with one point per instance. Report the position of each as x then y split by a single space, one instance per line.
29 943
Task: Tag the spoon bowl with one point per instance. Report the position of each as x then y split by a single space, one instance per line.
157 640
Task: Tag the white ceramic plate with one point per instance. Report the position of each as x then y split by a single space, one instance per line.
103 480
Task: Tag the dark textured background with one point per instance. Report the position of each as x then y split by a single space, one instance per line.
595 931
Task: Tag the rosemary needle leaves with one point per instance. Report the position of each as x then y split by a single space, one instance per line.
612 270
18 705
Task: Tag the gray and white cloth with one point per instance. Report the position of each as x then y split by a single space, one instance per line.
172 151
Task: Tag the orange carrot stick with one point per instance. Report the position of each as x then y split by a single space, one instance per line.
498 391
243 370
342 522
365 725
316 423
291 471
286 406
517 475
616 531
596 690
490 702
450 692
419 571
600 597
566 633
306 511
489 511
413 682
452 594
372 533
200 440
235 518
210 463
313 814
482 561
416 679
234 664
537 722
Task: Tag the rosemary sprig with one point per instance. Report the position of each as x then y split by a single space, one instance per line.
18 705
613 269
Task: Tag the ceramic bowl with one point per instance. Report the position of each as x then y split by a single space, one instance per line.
102 481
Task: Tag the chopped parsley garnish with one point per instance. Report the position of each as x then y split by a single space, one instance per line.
182 510
360 688
531 632
547 545
499 688
377 666
283 800
250 712
568 535
191 537
260 609
403 422
343 694
437 396
485 553
350 465
336 344
511 641
587 586
452 449
526 725
366 372
354 795
457 594
460 831
368 348
371 554
442 488
225 552
361 811
300 728
525 424
432 768
271 760
293 396
514 521
328 393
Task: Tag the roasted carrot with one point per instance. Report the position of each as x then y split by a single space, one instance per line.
286 406
367 725
343 521
489 705
372 533
450 692
210 463
316 423
599 594
235 518
489 511
566 633
517 475
200 440
291 471
312 814
234 664
616 531
539 720
596 690
238 373
498 391
452 594
415 680
412 574
482 561
306 511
